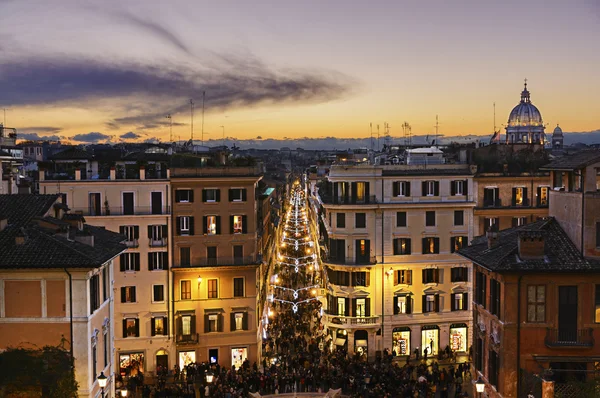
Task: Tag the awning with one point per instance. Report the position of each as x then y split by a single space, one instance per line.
339 341
362 343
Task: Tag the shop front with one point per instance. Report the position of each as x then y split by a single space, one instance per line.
401 341
238 356
131 364
341 338
361 343
430 340
459 337
185 358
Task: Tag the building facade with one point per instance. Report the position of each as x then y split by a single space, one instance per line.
138 207
215 264
389 235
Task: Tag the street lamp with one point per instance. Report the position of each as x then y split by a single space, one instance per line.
124 392
102 382
480 385
209 377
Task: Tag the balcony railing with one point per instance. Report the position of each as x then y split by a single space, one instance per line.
158 242
187 338
219 261
337 200
492 202
121 211
352 320
350 260
570 338
132 243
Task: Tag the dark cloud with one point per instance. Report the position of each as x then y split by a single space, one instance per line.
37 137
129 136
232 82
92 137
41 129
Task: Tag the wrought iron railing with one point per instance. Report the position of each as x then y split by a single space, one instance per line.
569 337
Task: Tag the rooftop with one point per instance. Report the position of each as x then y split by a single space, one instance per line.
572 162
560 254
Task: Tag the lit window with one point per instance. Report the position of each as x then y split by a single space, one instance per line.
360 307
213 290
211 225
459 301
360 191
429 303
186 290
341 303
186 325
363 247
239 321
543 198
237 224
519 196
401 305
213 323
184 225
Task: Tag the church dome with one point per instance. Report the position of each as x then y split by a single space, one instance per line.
557 131
525 114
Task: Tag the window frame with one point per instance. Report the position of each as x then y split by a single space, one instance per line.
188 292
209 230
429 304
398 248
429 214
241 195
154 300
188 191
184 225
213 191
212 292
459 274
433 278
401 218
239 223
238 278
130 291
363 223
340 220
536 304
158 261
462 218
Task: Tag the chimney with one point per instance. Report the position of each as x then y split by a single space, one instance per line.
492 238
531 245
85 239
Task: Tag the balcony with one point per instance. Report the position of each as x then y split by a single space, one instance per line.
158 242
349 260
187 338
132 243
569 338
351 320
334 200
492 203
109 211
223 261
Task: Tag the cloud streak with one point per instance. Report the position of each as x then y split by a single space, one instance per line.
92 137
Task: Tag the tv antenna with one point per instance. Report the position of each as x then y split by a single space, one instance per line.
170 127
407 132
437 125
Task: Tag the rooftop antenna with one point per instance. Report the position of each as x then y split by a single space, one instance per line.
377 138
371 129
203 97
170 127
437 124
406 129
192 118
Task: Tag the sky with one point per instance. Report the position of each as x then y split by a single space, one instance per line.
92 71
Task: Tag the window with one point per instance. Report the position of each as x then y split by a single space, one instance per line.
238 287
401 305
431 188
495 296
459 274
105 283
158 261
360 278
491 224
158 232
459 217
187 324
238 321
131 327
431 303
213 323
211 225
213 289
457 243
132 232
481 289
479 354
431 275
597 305
401 188
542 196
237 224
185 256
158 326
184 196
128 294
341 306
185 225
105 346
211 255
536 303
186 290
361 307
361 192
237 195
130 261
519 221
402 246
211 195
491 197
158 293
597 234
459 301
360 220
94 361
430 218
401 219
494 368
341 220
431 245
458 187
403 277
94 293
519 196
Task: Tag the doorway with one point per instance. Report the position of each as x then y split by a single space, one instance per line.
162 360
127 203
567 313
156 200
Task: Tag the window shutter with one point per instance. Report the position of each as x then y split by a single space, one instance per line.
408 304
206 328
136 232
424 303
396 188
367 307
525 199
436 275
466 187
424 241
396 305
231 195
165 258
191 195
137 327
205 225
452 188
124 328
218 225
244 224
354 186
452 302
149 231
452 242
436 245
231 225
232 321
539 196
165 326
133 294
367 191
193 325
178 226
179 326
424 276
424 188
123 294
436 188
244 195
395 273
220 321
204 195
122 262
136 258
335 192
514 196
149 261
347 307
153 326
407 188
245 321
368 278
465 301
408 277
437 302
192 226
353 313
217 195
165 231
177 196
408 246
122 230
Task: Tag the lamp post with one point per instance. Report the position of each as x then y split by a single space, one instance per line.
209 377
479 386
124 392
102 383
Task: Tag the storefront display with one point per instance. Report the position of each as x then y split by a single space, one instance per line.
131 364
185 358
401 341
430 337
238 356
458 337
